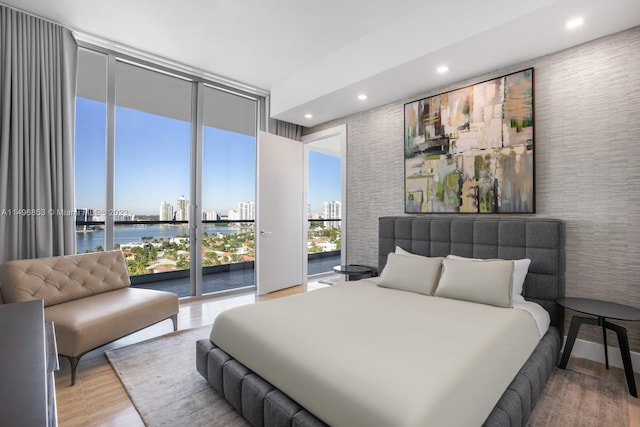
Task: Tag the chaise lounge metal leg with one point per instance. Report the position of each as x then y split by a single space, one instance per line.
74 366
174 319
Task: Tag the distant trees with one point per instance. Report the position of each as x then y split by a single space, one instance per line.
183 263
218 248
320 232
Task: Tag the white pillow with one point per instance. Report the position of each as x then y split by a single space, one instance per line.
520 270
411 273
486 282
401 251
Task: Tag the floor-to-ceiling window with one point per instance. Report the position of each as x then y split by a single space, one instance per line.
228 190
324 196
136 177
152 170
90 140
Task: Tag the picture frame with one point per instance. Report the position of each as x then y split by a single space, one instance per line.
471 150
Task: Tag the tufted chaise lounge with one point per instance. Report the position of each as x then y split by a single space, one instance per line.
88 299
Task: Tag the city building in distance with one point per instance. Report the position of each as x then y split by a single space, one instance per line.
244 211
210 216
166 211
332 210
182 211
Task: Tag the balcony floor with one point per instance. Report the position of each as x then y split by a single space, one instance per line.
234 279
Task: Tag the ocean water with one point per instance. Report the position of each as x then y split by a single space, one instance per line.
89 240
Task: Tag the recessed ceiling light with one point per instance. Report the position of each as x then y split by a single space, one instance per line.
442 69
574 23
308 116
362 97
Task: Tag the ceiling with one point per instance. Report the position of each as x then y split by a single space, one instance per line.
315 57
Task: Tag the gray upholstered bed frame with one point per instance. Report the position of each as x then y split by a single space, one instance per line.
542 241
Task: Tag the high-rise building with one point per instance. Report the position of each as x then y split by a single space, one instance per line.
210 216
244 211
332 210
247 210
124 217
166 211
84 214
182 211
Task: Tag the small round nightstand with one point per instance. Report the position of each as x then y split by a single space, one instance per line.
602 310
353 272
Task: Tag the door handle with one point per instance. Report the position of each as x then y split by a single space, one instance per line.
265 232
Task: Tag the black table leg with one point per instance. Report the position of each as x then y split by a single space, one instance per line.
576 322
604 339
623 342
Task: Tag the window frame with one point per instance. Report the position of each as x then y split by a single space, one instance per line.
199 80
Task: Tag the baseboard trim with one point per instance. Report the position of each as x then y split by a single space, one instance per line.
595 351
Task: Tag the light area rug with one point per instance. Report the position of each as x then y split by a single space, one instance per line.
161 378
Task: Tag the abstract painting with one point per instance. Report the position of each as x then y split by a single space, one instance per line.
470 150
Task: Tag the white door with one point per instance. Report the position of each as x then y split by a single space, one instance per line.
280 214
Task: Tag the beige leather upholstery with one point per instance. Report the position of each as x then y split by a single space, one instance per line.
60 279
88 299
87 323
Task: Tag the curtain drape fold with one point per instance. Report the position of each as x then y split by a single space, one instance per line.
288 130
38 67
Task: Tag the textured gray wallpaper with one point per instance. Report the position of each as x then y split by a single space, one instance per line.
587 148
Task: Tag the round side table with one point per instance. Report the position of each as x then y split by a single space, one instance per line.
353 272
602 310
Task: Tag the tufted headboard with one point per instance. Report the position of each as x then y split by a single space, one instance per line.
541 240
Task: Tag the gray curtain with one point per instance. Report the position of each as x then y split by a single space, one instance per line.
288 130
38 66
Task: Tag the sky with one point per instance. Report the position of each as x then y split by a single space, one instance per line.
152 161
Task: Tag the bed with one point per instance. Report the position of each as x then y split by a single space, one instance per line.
352 354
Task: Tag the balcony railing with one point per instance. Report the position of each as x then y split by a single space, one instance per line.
160 250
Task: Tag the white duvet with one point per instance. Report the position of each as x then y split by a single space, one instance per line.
357 354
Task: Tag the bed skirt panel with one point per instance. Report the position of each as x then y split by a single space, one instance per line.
516 404
261 404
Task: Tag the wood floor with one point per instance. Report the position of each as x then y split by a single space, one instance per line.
99 399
